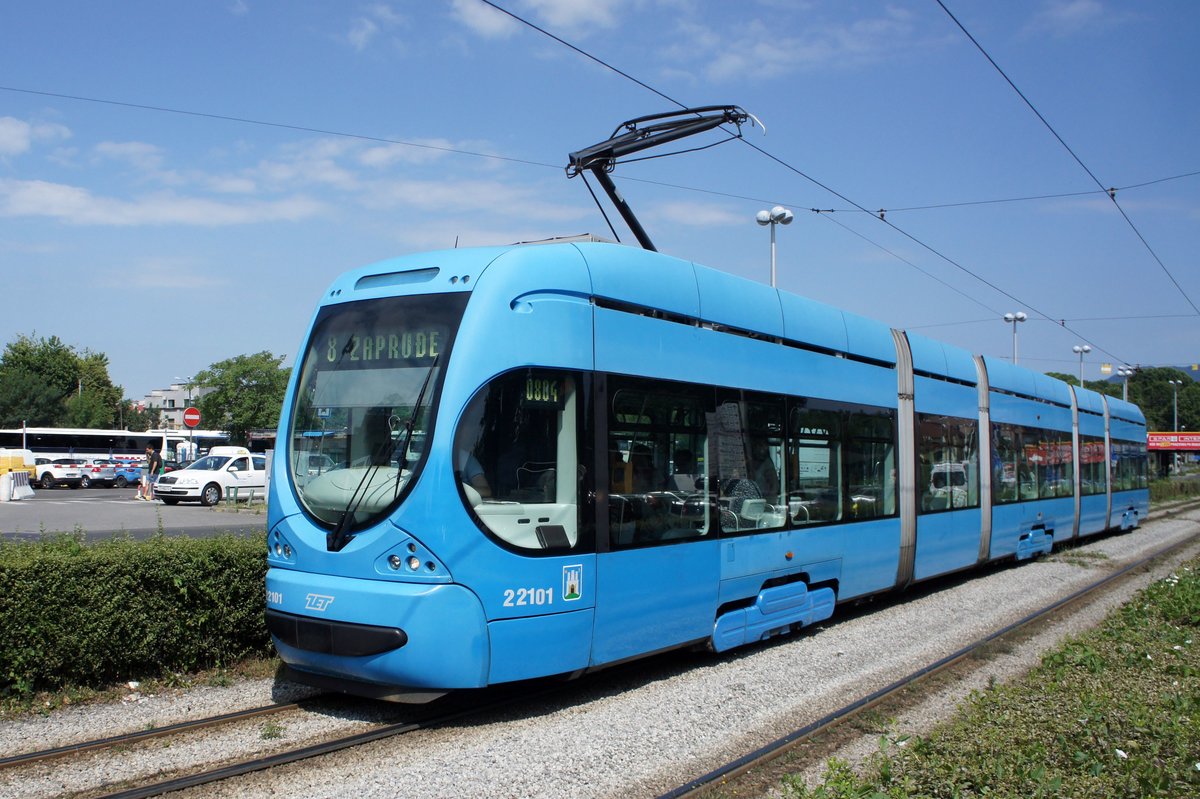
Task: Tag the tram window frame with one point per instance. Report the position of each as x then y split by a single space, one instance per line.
651 428
1056 472
1093 478
750 461
859 443
937 437
1029 450
505 428
1130 465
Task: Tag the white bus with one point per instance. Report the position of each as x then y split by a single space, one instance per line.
66 442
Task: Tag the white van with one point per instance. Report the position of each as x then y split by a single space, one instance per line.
214 476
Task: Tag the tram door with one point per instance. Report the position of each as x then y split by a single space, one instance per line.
657 572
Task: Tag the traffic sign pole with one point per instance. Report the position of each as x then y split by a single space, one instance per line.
191 418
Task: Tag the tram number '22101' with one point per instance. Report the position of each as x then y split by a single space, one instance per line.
520 597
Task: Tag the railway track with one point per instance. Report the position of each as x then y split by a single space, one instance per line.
727 775
202 771
130 738
416 718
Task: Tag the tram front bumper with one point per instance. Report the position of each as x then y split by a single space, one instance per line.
376 631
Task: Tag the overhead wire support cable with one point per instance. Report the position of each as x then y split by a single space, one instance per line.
281 125
1111 192
601 176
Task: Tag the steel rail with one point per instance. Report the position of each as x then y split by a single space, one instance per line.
781 745
27 758
316 750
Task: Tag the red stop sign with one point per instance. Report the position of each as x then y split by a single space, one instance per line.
191 417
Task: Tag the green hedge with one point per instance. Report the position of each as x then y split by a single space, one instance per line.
92 614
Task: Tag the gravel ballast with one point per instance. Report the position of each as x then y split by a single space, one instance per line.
635 731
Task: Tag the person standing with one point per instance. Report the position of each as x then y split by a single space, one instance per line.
154 465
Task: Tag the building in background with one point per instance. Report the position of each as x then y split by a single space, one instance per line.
173 400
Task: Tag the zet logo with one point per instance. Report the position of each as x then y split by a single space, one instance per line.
572 582
317 602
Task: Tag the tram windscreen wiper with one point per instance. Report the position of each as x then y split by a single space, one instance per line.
339 536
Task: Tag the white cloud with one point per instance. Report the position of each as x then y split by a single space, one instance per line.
75 205
375 18
418 151
754 50
562 17
362 31
575 15
17 136
1068 17
444 196
483 20
137 154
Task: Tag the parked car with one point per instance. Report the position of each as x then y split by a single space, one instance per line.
213 476
126 473
19 460
61 471
97 472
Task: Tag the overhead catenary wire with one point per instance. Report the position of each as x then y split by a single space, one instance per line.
558 167
1112 193
879 214
330 132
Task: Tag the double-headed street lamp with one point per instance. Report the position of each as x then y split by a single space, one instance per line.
1081 350
1125 372
1175 384
1014 318
776 216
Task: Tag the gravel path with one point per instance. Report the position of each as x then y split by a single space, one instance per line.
631 732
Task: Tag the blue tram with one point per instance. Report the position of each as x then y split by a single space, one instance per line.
505 463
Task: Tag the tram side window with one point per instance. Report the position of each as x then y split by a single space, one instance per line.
1011 480
1092 477
518 459
1055 467
871 462
1129 466
658 462
748 447
814 486
948 462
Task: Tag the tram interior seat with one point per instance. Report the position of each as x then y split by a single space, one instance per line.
536 482
752 510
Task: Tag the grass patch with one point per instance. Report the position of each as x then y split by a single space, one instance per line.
1113 713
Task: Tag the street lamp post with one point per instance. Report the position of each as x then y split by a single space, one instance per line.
1125 372
1081 350
776 216
188 404
1175 384
1014 318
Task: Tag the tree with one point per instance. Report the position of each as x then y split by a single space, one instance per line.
1150 389
46 383
25 399
247 394
139 419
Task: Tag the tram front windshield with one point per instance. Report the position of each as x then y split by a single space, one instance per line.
365 401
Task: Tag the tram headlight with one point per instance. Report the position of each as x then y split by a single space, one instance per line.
414 563
394 561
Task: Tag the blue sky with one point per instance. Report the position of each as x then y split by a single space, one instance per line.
170 241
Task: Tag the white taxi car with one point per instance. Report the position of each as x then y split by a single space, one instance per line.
217 474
